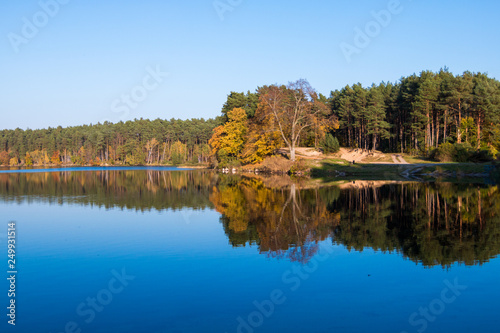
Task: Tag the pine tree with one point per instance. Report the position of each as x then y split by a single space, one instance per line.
377 127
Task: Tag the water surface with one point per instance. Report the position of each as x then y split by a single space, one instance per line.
192 251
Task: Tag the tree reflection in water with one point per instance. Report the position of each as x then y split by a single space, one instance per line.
430 223
285 222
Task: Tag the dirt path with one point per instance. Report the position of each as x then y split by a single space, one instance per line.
402 160
349 155
398 159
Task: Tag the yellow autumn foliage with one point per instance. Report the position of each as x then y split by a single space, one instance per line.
230 137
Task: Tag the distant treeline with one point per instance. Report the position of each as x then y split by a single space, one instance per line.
440 115
130 143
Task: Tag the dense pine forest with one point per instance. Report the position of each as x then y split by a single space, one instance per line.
439 115
420 112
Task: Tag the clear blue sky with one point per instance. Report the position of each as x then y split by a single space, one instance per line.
88 54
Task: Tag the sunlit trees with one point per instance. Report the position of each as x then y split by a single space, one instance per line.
150 146
424 111
415 115
112 143
4 158
420 112
376 125
28 159
55 158
248 102
295 108
135 157
342 105
263 138
178 151
284 115
323 123
486 109
229 139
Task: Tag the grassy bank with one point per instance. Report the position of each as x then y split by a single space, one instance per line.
419 171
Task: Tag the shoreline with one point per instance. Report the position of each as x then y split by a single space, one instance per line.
412 172
333 170
24 167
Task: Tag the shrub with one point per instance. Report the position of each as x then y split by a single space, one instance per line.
463 152
77 159
29 160
223 157
300 167
444 153
276 164
137 158
96 162
482 155
330 144
224 160
176 158
460 152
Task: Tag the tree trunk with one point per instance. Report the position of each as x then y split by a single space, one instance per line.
433 132
437 134
479 131
164 148
349 143
428 128
445 122
459 134
315 134
401 135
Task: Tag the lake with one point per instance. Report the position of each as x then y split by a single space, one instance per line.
168 250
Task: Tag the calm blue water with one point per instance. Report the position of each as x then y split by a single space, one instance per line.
178 273
71 169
